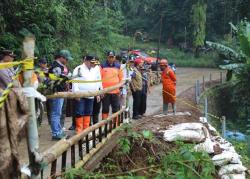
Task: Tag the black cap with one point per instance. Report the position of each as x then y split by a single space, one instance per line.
110 53
42 61
88 57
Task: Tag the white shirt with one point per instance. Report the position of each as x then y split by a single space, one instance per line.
82 72
127 72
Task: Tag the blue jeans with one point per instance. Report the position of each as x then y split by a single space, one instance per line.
55 115
84 107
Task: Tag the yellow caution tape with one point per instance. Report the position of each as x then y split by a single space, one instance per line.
6 92
28 64
53 77
8 64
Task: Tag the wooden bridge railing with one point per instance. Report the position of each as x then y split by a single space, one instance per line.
99 133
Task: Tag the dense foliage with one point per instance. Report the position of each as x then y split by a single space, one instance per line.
96 25
238 66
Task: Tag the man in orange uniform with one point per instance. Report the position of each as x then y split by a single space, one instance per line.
169 86
111 75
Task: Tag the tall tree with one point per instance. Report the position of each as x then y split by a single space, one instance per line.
199 10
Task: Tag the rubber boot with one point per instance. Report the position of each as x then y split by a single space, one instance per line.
79 124
86 122
165 108
174 108
105 116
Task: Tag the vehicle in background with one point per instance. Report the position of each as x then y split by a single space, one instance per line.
144 56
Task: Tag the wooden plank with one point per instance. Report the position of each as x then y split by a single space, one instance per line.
80 149
106 130
73 156
53 169
100 134
87 144
93 161
64 161
94 139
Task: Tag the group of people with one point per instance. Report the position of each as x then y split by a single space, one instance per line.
91 75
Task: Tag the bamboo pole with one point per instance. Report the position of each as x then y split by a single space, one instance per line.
33 138
85 94
57 149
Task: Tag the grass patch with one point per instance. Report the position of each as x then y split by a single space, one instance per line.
242 148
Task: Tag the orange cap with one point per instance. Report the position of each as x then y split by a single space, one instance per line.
164 62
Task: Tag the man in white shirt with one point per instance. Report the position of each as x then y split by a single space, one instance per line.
84 106
97 99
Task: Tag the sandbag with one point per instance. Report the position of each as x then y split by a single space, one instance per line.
187 126
207 146
231 169
187 132
226 157
234 176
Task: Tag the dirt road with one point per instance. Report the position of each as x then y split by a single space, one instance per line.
186 78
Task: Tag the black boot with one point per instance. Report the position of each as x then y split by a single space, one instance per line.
95 119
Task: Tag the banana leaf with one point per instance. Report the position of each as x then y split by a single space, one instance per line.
244 38
229 53
232 67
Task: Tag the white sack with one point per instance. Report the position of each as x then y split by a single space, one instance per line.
234 176
231 169
187 132
207 146
226 157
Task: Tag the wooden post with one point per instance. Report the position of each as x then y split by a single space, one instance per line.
64 161
73 156
203 83
100 134
221 79
205 108
199 89
196 93
87 143
53 169
80 149
223 126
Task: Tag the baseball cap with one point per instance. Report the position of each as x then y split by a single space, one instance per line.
66 54
111 53
89 58
138 61
6 52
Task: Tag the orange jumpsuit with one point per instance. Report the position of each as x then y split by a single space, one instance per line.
169 86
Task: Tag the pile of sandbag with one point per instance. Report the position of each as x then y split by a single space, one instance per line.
207 140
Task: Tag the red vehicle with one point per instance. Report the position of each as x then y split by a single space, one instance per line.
144 56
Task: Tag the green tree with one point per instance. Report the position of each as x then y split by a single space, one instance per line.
199 24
